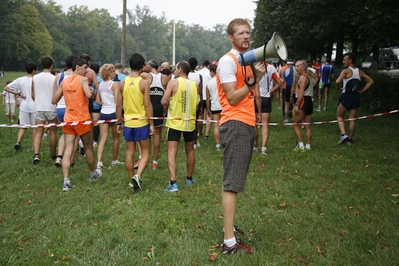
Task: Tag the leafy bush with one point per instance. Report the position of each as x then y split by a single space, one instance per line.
383 95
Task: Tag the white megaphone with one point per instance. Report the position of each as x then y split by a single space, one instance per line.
275 48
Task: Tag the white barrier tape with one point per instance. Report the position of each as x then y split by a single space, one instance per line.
187 119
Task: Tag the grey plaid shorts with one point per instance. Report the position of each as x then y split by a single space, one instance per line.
237 139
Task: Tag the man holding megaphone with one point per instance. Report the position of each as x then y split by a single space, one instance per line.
237 91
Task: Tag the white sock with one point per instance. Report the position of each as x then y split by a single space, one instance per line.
230 242
66 181
156 162
307 146
300 144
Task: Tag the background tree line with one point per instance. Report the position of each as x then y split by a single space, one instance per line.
311 27
30 29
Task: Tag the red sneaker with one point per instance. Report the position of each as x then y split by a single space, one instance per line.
238 247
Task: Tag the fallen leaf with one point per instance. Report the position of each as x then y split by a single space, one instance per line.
29 202
282 204
321 252
213 256
386 186
395 195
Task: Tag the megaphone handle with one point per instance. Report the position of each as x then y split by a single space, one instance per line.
244 70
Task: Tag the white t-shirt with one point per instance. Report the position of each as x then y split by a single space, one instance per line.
194 76
227 68
214 95
44 89
9 97
24 85
61 102
107 97
206 76
266 82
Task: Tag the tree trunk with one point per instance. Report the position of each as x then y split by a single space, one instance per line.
330 48
340 51
123 43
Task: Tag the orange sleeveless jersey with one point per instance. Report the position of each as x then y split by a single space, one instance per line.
77 107
244 111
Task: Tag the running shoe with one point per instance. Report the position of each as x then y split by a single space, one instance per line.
116 162
264 151
96 174
18 146
299 149
36 159
154 165
136 182
237 247
100 165
342 139
66 186
189 182
58 161
172 188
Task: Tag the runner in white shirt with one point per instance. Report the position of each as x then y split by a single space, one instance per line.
23 87
205 73
9 103
42 93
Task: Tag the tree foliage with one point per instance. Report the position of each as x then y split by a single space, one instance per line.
40 28
30 29
311 27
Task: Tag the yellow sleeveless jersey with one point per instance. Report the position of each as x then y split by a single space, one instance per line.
133 103
183 105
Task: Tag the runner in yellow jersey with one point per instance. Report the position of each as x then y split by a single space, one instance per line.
181 99
134 96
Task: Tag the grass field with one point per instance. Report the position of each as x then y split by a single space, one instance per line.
334 205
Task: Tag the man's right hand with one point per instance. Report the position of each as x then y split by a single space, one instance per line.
260 70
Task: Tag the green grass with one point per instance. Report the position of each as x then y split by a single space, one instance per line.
335 205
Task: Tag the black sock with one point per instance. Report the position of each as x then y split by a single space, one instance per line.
96 133
172 182
189 178
60 156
